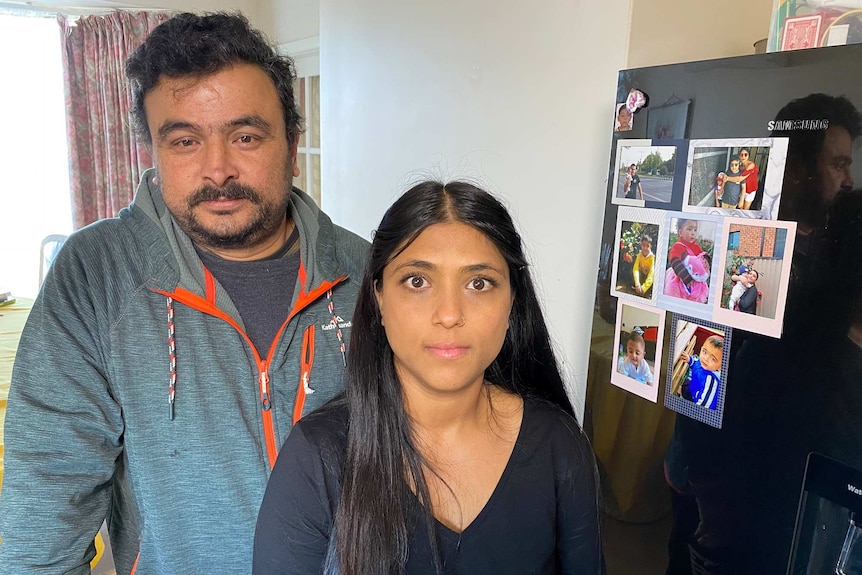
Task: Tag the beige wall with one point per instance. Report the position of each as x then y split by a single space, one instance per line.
290 20
669 31
499 91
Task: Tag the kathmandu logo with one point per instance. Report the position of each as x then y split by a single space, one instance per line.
341 324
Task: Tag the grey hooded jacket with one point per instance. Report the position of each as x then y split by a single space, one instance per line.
89 433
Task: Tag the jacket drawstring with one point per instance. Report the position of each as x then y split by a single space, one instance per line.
337 327
172 354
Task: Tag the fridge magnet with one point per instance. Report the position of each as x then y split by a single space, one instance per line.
643 173
687 283
801 32
755 272
638 341
623 118
697 369
669 121
739 177
635 264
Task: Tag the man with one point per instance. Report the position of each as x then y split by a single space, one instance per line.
818 160
633 187
171 349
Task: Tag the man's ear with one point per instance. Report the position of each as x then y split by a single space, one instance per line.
293 162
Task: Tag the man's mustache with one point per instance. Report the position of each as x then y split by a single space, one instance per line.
230 191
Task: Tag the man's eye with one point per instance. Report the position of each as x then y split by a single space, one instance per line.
246 139
185 142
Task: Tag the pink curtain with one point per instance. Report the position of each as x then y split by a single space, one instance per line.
105 159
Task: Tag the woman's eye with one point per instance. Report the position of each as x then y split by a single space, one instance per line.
481 284
417 281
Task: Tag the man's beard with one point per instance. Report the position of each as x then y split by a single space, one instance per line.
268 217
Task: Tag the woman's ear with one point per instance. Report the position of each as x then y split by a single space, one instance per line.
379 301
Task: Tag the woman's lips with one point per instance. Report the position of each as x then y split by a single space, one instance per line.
447 350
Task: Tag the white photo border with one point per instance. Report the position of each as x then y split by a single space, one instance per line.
748 322
644 216
644 390
775 165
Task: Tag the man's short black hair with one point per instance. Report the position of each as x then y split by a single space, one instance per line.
195 45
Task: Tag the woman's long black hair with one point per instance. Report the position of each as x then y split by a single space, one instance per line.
377 510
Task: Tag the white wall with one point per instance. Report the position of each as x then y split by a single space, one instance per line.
519 96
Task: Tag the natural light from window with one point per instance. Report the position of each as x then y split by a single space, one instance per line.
34 194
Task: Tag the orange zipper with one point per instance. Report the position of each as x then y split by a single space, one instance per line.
305 374
194 301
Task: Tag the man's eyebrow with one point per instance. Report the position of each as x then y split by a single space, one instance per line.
252 121
174 125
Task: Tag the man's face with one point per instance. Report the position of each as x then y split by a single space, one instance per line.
223 159
833 163
734 166
710 357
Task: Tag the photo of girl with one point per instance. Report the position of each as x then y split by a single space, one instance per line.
689 260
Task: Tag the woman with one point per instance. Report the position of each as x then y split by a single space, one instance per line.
454 448
750 175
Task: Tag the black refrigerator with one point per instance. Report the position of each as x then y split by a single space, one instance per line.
724 391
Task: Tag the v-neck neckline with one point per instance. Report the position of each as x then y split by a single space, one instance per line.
496 494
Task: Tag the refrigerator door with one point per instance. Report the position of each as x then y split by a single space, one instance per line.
730 486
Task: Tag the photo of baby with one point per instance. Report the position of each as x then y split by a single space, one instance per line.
697 376
638 339
689 259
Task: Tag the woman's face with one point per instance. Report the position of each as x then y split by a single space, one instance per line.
445 304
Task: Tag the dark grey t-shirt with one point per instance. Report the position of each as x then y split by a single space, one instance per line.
261 290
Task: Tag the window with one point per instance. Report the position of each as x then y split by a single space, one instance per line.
733 241
306 54
35 191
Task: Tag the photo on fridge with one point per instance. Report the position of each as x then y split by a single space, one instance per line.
697 369
742 177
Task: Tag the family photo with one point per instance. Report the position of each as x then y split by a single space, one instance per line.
744 175
755 273
728 178
643 173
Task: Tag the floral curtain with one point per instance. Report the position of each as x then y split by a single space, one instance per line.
105 159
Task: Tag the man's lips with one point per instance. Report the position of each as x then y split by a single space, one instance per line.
223 204
447 350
